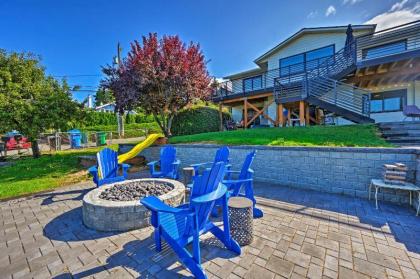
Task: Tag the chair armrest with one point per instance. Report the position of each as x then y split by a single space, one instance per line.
125 166
232 171
212 196
234 181
200 164
93 171
153 163
154 204
177 162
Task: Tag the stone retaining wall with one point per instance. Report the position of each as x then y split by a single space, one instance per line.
345 171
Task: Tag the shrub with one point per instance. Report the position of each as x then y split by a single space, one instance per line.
130 130
196 120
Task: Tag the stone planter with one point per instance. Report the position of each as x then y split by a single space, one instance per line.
105 215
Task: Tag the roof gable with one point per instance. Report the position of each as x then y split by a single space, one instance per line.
303 31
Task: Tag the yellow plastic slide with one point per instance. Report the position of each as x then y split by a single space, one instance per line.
138 148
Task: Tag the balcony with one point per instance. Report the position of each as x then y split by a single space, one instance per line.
390 45
386 46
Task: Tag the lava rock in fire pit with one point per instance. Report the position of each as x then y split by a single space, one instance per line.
135 190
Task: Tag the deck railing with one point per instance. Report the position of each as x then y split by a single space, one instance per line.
395 40
340 94
363 48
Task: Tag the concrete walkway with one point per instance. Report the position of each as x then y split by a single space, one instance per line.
303 234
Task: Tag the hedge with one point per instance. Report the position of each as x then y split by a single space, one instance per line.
94 118
130 130
196 120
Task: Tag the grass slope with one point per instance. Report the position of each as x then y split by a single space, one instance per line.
28 175
349 135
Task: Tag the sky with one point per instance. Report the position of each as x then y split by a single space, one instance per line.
75 38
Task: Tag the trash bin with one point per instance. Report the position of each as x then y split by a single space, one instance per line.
100 138
75 138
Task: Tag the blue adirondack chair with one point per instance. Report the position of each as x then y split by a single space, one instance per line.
107 169
243 184
184 224
168 163
222 155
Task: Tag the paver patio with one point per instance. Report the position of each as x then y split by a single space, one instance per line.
303 234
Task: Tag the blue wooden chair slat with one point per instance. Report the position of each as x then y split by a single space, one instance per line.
222 155
169 165
243 184
107 169
184 224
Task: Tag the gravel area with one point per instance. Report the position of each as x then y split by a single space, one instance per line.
130 191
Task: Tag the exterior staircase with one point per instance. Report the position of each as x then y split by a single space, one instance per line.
401 133
322 87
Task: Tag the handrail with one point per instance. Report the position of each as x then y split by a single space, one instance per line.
334 66
340 94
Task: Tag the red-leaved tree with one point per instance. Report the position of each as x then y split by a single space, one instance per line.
161 76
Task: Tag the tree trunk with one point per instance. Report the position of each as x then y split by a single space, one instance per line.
169 126
161 124
36 153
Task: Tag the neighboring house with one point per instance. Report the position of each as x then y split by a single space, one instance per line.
351 72
110 107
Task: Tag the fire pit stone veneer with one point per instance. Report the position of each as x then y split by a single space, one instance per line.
107 215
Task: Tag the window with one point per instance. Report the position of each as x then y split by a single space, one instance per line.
316 57
384 50
305 61
253 83
292 65
388 101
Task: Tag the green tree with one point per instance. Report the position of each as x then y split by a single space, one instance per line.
103 96
30 101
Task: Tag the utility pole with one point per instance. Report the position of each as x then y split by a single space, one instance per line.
120 117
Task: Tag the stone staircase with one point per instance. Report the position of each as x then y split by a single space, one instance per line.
401 133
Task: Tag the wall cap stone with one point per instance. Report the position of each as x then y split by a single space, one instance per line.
389 150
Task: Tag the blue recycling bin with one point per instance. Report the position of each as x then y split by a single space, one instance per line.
75 138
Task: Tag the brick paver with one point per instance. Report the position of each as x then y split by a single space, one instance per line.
303 234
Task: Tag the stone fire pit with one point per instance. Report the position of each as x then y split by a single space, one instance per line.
109 208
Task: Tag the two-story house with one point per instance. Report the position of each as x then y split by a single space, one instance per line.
351 74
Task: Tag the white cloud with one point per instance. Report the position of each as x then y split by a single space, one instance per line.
312 14
330 11
398 6
351 2
395 17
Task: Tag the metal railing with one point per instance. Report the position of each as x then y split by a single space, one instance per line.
340 94
385 42
335 66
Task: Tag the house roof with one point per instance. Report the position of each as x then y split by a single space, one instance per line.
245 73
303 31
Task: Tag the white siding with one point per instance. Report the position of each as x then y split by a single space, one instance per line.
237 113
309 42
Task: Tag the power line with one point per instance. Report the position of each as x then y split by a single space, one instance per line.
79 75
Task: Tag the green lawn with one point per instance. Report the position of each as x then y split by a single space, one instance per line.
349 135
28 175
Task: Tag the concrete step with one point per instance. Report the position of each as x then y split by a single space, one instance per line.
400 132
402 125
404 139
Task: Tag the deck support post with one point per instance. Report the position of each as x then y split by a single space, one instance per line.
307 116
289 117
221 116
245 113
280 116
302 113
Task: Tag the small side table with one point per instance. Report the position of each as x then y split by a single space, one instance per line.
188 174
379 183
241 220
